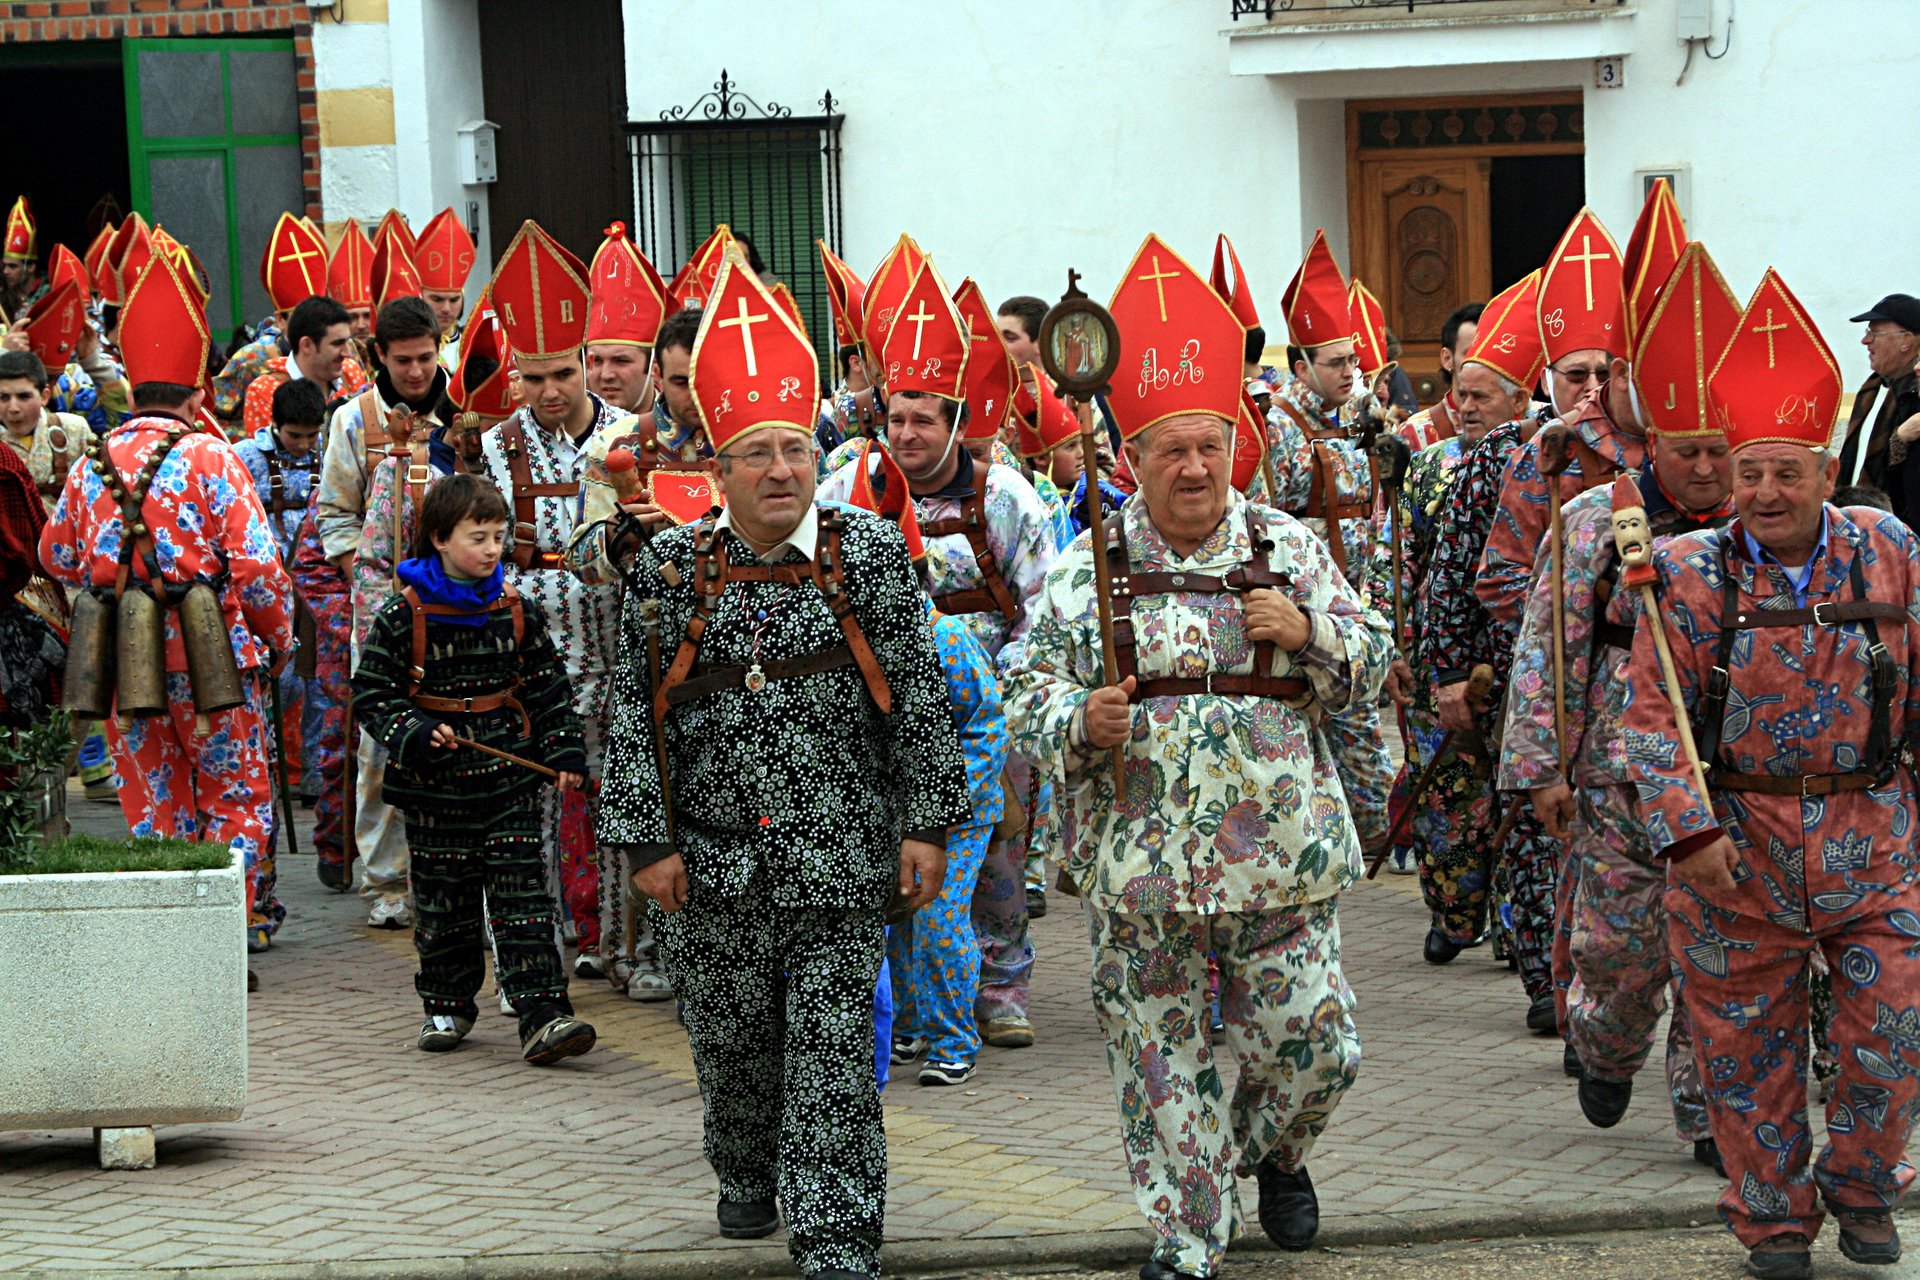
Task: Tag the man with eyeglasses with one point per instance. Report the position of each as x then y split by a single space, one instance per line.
805 772
1878 454
1325 478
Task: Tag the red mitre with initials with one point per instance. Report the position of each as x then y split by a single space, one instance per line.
1653 251
1232 284
886 289
20 232
65 266
1044 422
926 348
1776 383
1583 301
1680 340
694 283
163 335
1315 302
191 270
350 269
293 267
752 365
488 395
991 380
629 297
54 324
1249 444
443 253
1181 349
127 257
98 256
1507 339
394 224
540 293
1370 330
394 272
890 498
845 293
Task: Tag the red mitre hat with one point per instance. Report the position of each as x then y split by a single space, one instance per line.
1044 423
629 297
752 365
394 224
695 282
845 293
1316 299
350 270
443 253
991 380
163 335
540 292
1249 443
54 324
394 272
490 395
20 232
926 347
886 289
99 255
1583 301
127 257
66 266
1236 291
106 213
1181 350
1776 383
1507 339
890 499
192 272
784 296
293 267
1370 330
1653 251
1679 342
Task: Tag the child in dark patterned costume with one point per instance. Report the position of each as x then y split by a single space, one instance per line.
460 655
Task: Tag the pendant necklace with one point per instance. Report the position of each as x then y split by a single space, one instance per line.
755 680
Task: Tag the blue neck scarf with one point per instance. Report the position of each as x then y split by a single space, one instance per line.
429 580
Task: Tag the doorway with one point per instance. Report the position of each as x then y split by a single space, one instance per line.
1450 199
70 151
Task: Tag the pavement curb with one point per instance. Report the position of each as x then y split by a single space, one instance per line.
956 1258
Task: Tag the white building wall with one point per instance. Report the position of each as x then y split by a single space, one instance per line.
440 41
353 77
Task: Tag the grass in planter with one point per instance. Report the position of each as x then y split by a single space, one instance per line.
82 853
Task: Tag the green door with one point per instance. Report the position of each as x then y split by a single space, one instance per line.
213 149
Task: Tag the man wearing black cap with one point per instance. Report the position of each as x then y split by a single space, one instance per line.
1892 341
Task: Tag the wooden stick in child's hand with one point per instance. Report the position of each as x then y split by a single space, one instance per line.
589 784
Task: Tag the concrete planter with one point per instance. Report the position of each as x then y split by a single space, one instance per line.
126 1004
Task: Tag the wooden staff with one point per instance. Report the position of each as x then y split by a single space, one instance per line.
1391 458
1102 588
1479 685
522 761
1631 535
1555 456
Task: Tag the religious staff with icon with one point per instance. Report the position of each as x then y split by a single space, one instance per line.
805 772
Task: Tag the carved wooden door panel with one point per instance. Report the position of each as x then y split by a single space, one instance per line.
1420 228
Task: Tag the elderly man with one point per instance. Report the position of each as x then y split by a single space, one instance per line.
1441 420
1617 925
1235 638
805 770
1877 452
1793 632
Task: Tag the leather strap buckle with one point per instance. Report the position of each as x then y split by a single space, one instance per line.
1831 620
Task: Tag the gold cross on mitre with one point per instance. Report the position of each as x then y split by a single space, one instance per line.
1769 328
1158 276
744 322
1586 258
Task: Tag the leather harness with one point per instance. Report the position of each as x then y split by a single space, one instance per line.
1323 492
417 668
1882 755
61 460
526 551
279 502
992 595
712 571
1252 575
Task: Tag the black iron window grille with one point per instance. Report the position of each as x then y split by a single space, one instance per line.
1265 9
767 173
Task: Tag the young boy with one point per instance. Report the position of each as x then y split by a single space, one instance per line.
459 655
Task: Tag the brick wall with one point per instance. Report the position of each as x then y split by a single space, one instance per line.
23 21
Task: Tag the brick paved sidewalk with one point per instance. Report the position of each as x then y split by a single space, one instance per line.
355 1146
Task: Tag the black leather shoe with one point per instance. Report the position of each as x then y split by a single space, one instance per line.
1786 1257
1570 1062
1540 1014
1289 1210
839 1273
1868 1236
748 1219
1438 949
1603 1102
1158 1270
1707 1152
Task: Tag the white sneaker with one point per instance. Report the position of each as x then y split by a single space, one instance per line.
1402 863
442 1032
587 965
506 1006
648 982
390 913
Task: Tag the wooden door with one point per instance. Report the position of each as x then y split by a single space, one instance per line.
1419 227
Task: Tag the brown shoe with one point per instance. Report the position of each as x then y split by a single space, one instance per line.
1008 1031
1782 1257
1868 1236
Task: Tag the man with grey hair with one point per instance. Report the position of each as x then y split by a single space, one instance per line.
1877 453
